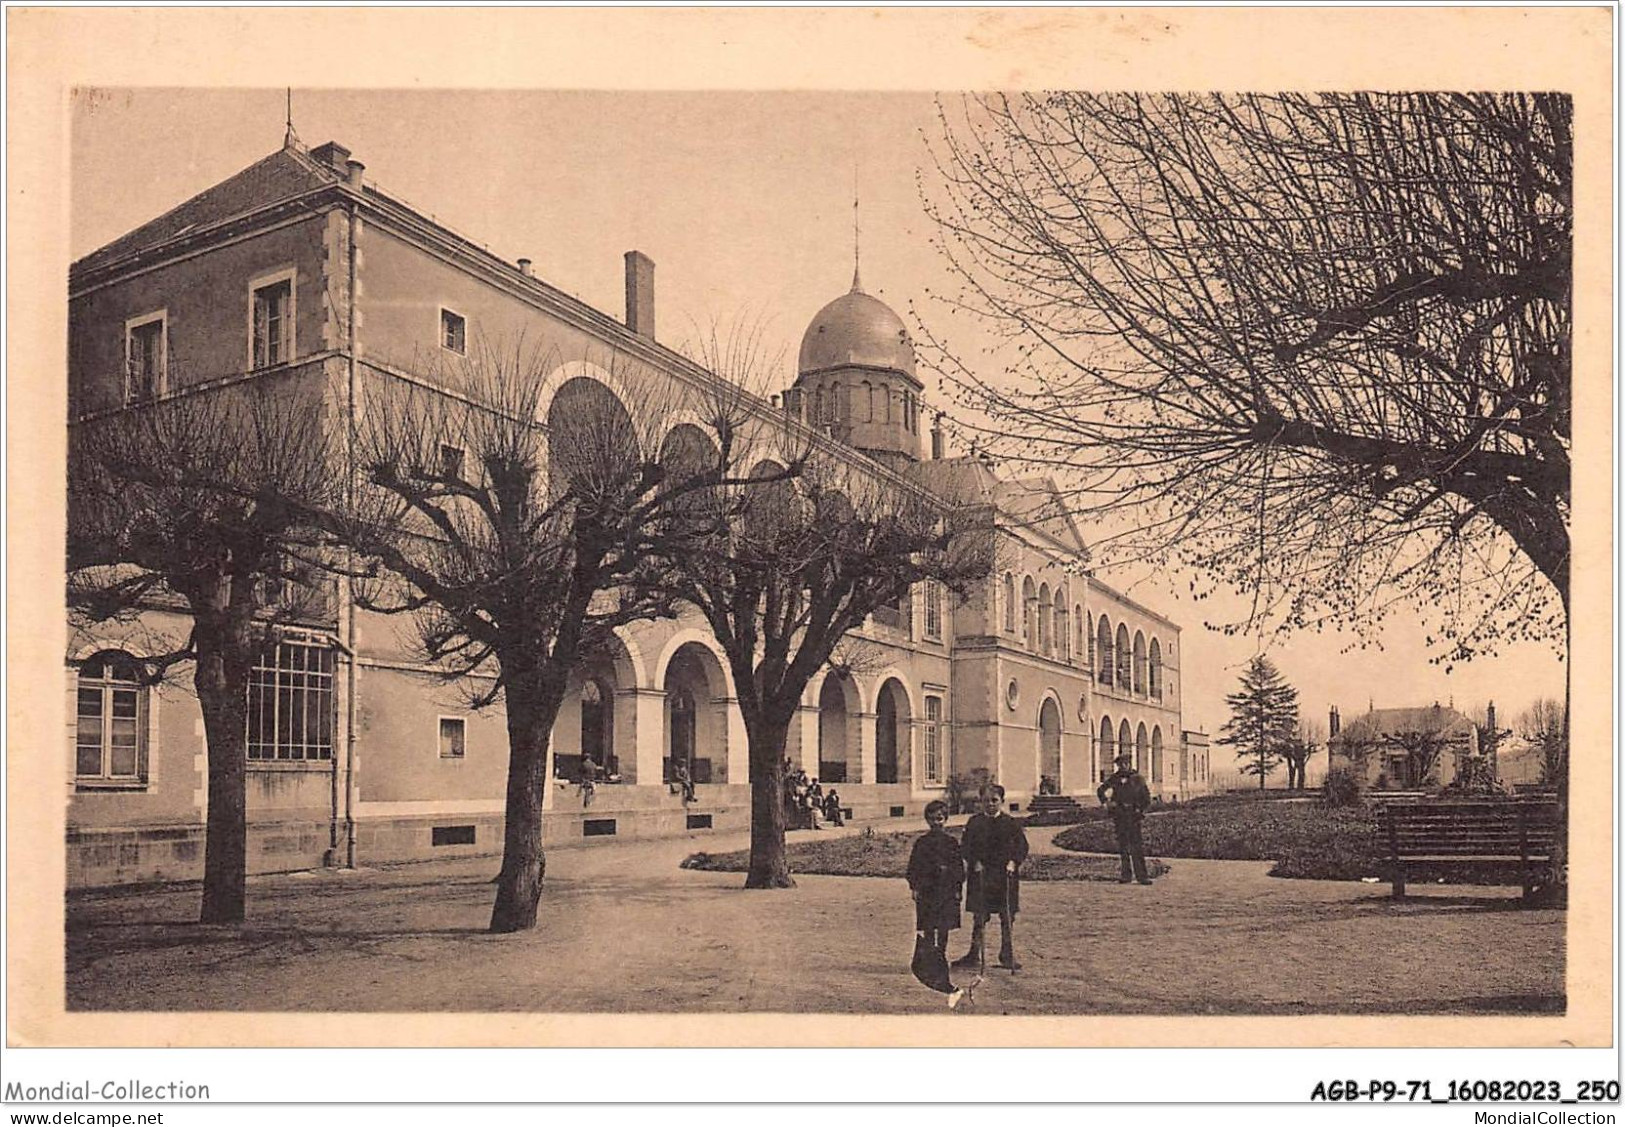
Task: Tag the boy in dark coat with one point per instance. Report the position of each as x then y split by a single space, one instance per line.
1126 796
994 847
935 873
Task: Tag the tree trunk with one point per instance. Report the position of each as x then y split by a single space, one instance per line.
221 681
769 866
519 885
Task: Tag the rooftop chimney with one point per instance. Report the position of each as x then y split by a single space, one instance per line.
332 154
640 294
936 438
1334 723
524 268
352 171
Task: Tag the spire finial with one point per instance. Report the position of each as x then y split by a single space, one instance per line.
290 139
857 282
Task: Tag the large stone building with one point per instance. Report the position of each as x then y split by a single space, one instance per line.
300 271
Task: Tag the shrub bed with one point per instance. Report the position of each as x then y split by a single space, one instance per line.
886 855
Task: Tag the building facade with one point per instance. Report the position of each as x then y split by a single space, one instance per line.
300 272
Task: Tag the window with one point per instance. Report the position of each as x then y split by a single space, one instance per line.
1103 646
110 746
290 703
273 321
453 332
1009 603
933 739
453 737
1154 669
145 358
1029 611
933 610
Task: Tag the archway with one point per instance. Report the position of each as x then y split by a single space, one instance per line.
696 723
591 438
1125 741
1156 754
1125 659
892 728
833 724
1142 749
1049 741
586 723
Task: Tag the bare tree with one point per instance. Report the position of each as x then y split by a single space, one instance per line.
1423 748
1544 727
522 524
201 502
1318 344
1309 738
818 545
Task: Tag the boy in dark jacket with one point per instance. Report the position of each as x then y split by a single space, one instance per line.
935 873
1126 796
994 847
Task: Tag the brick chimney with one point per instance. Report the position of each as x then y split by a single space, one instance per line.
640 294
334 155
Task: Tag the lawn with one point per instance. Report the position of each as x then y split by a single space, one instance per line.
1304 839
886 855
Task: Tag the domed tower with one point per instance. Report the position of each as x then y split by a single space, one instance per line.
855 377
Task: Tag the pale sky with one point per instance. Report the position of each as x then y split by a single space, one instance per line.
744 202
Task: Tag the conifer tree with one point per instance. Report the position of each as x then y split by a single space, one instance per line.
1263 724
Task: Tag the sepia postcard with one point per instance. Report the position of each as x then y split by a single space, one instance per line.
850 528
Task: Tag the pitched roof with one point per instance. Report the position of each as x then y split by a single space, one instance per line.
285 173
961 481
1391 721
1034 502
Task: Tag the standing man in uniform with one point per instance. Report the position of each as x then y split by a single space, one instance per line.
994 846
1126 796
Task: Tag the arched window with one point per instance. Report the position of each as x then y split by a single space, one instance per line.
1044 639
868 402
111 745
1029 612
1062 635
1089 628
1142 750
818 405
1156 754
1107 751
1139 663
1154 670
1103 641
1009 603
1125 659
885 403
1082 630
1125 741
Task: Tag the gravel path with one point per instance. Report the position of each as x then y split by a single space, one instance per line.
623 929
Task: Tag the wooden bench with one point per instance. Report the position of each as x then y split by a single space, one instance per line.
1470 832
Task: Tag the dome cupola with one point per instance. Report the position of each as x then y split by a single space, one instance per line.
856 330
855 377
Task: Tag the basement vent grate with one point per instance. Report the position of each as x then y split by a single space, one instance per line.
598 827
451 835
699 821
